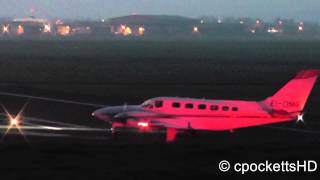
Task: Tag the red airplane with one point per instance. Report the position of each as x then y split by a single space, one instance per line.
180 114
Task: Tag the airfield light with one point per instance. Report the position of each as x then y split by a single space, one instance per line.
20 30
127 31
241 22
280 22
141 30
47 28
273 30
195 29
143 124
219 21
253 31
5 29
63 30
202 21
14 122
258 21
300 28
123 27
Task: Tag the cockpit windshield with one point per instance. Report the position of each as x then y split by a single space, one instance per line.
147 104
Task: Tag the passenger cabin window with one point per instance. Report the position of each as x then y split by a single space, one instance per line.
202 106
176 105
189 106
158 104
225 108
214 107
235 109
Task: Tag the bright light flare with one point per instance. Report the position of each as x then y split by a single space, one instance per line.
195 29
143 124
20 30
141 30
127 31
63 30
47 28
273 30
5 29
300 28
300 118
14 121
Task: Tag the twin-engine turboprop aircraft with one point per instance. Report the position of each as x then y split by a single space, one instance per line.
179 114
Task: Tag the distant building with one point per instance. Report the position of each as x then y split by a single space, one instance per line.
152 25
29 26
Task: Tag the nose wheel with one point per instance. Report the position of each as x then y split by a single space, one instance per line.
114 127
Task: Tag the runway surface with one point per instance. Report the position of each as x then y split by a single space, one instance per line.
68 143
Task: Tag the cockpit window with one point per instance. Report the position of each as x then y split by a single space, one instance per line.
148 104
158 104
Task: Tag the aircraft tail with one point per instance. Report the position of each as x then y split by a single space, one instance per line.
293 96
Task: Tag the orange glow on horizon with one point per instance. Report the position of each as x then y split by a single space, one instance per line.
127 31
63 30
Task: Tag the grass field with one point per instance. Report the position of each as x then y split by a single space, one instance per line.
94 67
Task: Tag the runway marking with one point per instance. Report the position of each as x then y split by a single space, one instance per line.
51 99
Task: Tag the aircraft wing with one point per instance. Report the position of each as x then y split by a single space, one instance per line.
139 114
164 124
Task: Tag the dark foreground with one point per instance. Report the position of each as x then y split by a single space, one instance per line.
132 77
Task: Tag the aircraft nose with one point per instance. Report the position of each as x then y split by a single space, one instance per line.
101 114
